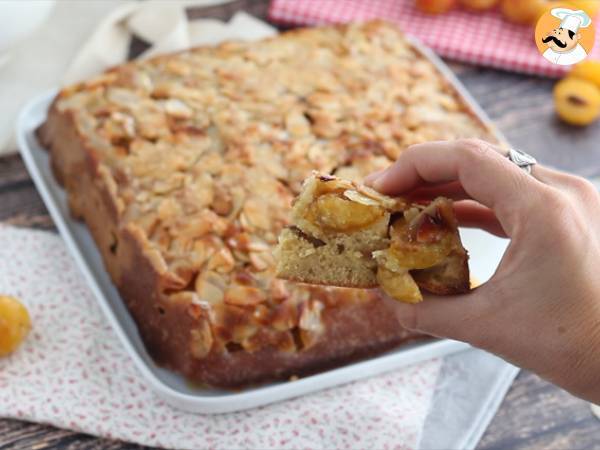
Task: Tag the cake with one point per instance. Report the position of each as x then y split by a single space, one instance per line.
184 167
348 235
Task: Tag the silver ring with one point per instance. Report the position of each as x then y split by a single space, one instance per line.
521 159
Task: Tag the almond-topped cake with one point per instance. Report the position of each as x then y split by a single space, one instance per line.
184 167
345 234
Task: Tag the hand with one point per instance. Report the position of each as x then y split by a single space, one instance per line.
541 309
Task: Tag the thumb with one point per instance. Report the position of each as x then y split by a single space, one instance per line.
460 317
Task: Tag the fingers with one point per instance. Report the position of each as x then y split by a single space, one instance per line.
551 177
461 317
434 163
473 215
576 187
485 175
373 176
452 190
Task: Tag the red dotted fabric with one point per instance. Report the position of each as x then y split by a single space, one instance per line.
72 372
481 38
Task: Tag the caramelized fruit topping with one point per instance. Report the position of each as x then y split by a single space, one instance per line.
337 213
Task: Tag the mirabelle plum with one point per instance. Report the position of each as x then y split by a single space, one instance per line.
435 6
577 101
419 254
521 11
14 324
338 214
399 285
478 5
588 70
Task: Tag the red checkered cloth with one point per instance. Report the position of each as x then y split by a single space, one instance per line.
482 38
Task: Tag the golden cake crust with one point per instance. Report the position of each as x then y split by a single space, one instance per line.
184 166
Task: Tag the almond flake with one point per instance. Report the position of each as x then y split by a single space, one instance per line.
178 109
244 296
359 198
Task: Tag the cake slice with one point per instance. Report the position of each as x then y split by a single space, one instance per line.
348 235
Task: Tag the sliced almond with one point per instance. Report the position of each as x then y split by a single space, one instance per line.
203 249
222 202
200 224
178 67
178 109
243 332
244 296
359 198
282 340
310 319
126 121
210 287
311 324
222 261
393 203
278 290
286 315
297 124
168 208
255 214
201 340
399 285
256 245
261 260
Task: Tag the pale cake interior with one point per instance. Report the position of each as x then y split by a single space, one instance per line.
310 260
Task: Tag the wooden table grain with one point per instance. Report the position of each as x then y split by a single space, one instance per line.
534 414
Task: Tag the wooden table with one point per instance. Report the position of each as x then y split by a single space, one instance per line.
535 414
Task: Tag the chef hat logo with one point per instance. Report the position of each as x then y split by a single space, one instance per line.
565 36
572 19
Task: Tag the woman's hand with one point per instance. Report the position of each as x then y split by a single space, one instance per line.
541 309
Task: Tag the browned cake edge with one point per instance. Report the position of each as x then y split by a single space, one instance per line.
351 331
433 280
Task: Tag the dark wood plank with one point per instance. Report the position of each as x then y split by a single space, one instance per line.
20 203
523 109
16 435
258 8
538 415
535 414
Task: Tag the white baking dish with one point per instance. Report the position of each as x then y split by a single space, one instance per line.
485 250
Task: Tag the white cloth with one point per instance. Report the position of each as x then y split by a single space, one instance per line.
54 54
574 56
38 63
469 391
109 44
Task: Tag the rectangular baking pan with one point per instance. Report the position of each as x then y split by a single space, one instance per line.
485 251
